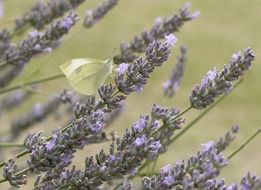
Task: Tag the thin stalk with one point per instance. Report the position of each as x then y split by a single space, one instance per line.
16 156
244 144
6 145
185 129
183 112
22 85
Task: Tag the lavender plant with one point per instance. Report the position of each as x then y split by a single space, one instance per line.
14 99
200 171
93 16
52 157
43 13
39 113
173 83
37 42
161 28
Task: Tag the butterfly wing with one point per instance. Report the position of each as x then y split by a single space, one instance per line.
90 84
85 75
74 66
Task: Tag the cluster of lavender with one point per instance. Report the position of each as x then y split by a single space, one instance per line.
162 27
37 42
173 83
14 99
44 13
9 171
48 155
150 136
144 141
39 113
217 83
93 16
200 171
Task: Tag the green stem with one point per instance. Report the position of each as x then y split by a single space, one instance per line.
26 151
12 88
244 144
22 171
3 180
183 112
185 129
3 145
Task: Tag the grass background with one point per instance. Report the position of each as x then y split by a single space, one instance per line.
224 28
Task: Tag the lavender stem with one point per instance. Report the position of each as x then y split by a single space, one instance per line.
12 88
6 145
244 144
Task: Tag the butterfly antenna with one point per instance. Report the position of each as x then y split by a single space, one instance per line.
113 53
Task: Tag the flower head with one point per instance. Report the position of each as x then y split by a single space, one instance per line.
122 68
171 40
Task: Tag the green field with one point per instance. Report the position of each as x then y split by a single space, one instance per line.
224 27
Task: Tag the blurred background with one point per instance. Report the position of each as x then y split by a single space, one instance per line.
223 28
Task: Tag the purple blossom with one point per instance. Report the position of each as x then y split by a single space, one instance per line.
97 127
166 169
195 15
38 110
171 40
208 145
122 68
140 125
140 141
155 146
51 144
67 24
168 181
158 20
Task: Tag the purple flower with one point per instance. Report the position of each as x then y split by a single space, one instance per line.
236 56
171 40
212 74
50 145
166 169
140 125
97 127
168 181
140 141
195 15
67 23
122 68
155 146
158 20
38 110
208 145
156 125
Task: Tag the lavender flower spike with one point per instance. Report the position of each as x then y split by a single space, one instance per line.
43 13
162 28
9 172
93 16
192 174
37 42
125 156
172 84
217 83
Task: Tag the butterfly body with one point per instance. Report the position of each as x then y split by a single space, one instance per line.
86 75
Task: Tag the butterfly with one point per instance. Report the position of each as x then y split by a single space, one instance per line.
86 75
